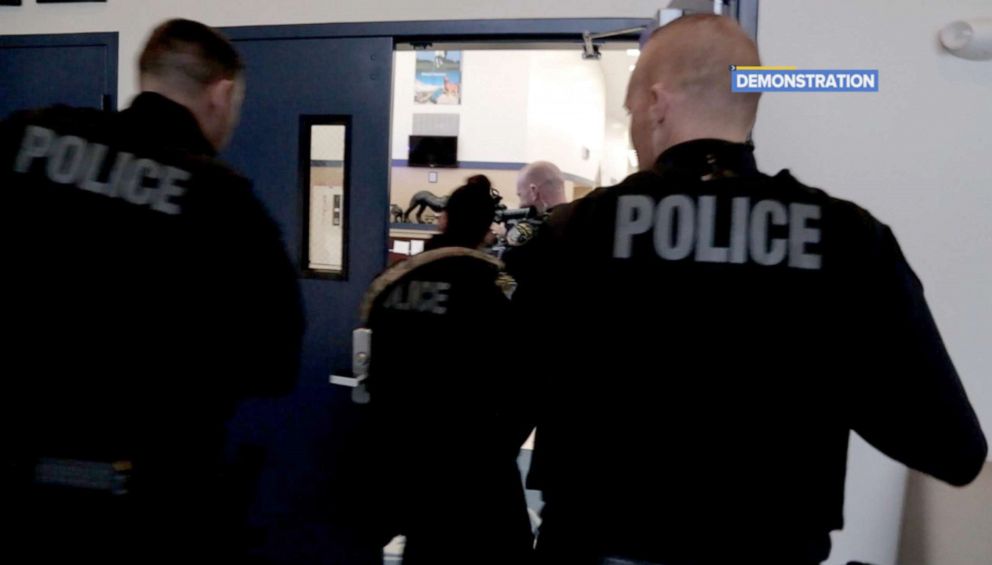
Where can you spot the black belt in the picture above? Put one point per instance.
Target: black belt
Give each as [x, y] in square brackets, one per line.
[95, 476]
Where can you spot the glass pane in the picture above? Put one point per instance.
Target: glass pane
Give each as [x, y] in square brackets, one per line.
[328, 192]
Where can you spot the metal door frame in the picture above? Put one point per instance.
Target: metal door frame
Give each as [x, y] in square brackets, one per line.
[98, 39]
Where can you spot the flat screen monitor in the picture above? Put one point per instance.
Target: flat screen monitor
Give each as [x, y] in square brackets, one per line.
[433, 151]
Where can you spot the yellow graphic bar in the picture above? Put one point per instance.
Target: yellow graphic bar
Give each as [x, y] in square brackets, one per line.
[779, 68]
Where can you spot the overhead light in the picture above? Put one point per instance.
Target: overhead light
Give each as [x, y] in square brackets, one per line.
[634, 52]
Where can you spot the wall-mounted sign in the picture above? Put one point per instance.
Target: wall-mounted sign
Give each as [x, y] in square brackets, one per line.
[439, 77]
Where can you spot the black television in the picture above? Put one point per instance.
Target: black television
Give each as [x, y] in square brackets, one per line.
[433, 151]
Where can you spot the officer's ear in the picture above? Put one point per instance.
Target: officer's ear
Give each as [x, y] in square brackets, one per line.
[659, 103]
[224, 98]
[220, 94]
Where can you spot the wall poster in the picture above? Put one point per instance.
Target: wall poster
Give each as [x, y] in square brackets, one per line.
[439, 78]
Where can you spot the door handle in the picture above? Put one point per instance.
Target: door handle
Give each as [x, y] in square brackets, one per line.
[361, 356]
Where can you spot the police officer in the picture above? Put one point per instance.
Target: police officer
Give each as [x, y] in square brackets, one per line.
[541, 189]
[148, 291]
[727, 330]
[448, 421]
[541, 186]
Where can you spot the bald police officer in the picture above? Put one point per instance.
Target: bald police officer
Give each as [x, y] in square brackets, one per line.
[541, 186]
[727, 329]
[541, 189]
[148, 292]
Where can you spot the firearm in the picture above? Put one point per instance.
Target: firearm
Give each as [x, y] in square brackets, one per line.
[512, 216]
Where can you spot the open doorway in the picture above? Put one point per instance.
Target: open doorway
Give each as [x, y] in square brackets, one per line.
[289, 143]
[464, 110]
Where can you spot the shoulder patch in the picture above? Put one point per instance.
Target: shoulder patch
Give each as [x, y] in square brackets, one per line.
[521, 234]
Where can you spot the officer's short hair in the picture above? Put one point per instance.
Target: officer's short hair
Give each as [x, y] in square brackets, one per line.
[189, 55]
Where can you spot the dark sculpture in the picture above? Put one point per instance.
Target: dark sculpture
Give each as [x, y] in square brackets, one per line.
[395, 213]
[423, 200]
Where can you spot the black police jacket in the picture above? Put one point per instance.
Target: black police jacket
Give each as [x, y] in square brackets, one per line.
[447, 416]
[522, 251]
[147, 291]
[726, 330]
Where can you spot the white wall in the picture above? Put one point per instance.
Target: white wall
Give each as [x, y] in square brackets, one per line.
[616, 150]
[495, 86]
[135, 18]
[566, 112]
[916, 155]
[617, 67]
[517, 107]
[946, 525]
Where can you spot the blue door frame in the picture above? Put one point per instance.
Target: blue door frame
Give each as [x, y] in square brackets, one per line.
[744, 11]
[77, 69]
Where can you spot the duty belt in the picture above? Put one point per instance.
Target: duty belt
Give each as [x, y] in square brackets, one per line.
[98, 476]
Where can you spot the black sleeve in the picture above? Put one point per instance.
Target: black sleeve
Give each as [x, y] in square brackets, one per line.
[513, 378]
[275, 314]
[258, 301]
[533, 333]
[542, 315]
[908, 400]
[11, 134]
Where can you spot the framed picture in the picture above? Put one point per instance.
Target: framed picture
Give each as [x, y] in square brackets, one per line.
[439, 78]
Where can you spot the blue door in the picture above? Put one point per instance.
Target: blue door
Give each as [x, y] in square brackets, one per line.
[307, 437]
[74, 69]
[298, 75]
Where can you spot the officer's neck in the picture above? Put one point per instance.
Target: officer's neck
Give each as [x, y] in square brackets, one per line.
[709, 158]
[199, 105]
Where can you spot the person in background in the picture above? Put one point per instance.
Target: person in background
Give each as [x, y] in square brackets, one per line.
[467, 219]
[448, 422]
[541, 189]
[541, 186]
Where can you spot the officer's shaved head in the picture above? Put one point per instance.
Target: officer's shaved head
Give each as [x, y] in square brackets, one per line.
[681, 87]
[542, 185]
[194, 65]
[189, 54]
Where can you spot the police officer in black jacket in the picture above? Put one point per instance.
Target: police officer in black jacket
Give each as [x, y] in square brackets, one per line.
[148, 291]
[728, 330]
[449, 421]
